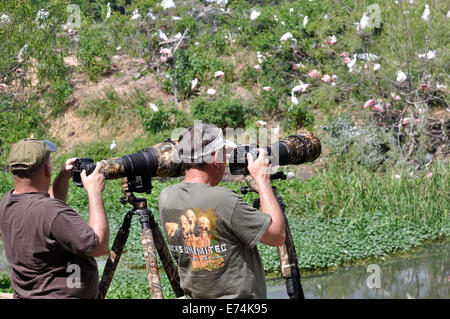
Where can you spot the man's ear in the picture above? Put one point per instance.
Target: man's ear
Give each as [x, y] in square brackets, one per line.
[47, 169]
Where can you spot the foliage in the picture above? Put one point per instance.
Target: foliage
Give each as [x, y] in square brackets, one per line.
[167, 117]
[5, 283]
[222, 111]
[95, 50]
[28, 114]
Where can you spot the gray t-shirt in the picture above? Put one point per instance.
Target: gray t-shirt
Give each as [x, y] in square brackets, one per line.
[213, 234]
[48, 246]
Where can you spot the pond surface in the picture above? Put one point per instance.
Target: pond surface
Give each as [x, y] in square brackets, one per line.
[425, 273]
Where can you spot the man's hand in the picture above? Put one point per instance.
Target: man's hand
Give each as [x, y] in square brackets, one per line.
[259, 169]
[95, 182]
[66, 170]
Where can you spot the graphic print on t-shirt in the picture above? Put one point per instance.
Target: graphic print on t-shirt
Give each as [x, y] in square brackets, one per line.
[192, 235]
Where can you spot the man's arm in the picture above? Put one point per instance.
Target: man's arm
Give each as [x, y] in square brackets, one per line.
[94, 184]
[61, 183]
[260, 171]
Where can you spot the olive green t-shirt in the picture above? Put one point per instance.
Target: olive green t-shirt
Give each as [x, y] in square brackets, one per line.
[213, 233]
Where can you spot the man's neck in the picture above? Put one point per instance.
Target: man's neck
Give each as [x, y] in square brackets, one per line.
[26, 186]
[194, 175]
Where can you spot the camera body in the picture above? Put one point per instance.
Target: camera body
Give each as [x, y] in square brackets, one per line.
[79, 165]
[238, 160]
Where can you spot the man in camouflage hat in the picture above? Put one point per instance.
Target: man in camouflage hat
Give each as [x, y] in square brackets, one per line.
[213, 231]
[49, 246]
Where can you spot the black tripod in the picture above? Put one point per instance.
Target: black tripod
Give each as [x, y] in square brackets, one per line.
[151, 237]
[286, 253]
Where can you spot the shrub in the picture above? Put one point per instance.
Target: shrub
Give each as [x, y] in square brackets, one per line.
[95, 50]
[166, 117]
[222, 111]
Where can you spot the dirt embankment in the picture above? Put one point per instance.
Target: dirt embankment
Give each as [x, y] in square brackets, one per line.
[124, 78]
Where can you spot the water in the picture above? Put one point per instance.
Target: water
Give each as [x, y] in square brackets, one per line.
[425, 273]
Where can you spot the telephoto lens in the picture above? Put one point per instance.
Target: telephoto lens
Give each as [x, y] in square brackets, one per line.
[293, 150]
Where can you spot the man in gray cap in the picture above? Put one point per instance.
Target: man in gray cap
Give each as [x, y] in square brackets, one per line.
[49, 246]
[219, 259]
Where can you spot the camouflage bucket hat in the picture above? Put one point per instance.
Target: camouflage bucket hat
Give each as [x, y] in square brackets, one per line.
[29, 153]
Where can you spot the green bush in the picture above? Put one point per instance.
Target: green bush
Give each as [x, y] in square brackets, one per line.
[95, 50]
[165, 118]
[12, 112]
[222, 111]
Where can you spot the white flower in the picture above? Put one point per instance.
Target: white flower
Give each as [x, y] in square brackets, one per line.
[426, 13]
[153, 107]
[257, 67]
[286, 36]
[167, 4]
[376, 66]
[254, 15]
[401, 76]
[267, 88]
[175, 18]
[218, 74]
[211, 91]
[113, 145]
[261, 123]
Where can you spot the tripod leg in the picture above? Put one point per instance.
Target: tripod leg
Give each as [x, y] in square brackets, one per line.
[289, 261]
[166, 259]
[151, 264]
[114, 256]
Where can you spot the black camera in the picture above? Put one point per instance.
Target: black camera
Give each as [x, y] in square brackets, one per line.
[79, 165]
[293, 150]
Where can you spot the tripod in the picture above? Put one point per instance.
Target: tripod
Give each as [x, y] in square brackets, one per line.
[286, 253]
[151, 238]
